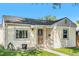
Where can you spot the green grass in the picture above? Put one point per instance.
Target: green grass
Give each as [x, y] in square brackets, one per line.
[45, 53]
[69, 51]
[33, 52]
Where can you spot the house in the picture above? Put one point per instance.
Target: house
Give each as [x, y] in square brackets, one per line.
[17, 32]
[77, 35]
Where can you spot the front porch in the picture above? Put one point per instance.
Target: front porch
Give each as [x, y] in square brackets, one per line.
[44, 36]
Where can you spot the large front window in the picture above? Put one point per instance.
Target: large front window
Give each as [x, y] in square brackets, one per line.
[21, 34]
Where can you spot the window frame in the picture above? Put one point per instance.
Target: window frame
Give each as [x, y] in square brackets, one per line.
[65, 34]
[23, 35]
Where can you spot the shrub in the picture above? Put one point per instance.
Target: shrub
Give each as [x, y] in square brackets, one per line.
[10, 46]
[1, 47]
[33, 52]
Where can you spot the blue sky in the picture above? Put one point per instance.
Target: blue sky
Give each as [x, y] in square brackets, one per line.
[39, 10]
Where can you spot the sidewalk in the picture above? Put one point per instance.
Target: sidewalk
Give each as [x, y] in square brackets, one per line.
[55, 52]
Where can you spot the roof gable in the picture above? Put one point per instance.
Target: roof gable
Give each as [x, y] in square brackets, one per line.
[65, 22]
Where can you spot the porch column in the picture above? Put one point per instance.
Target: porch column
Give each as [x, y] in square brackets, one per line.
[36, 37]
[44, 37]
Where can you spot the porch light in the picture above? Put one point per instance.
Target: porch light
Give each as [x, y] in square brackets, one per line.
[49, 34]
[32, 29]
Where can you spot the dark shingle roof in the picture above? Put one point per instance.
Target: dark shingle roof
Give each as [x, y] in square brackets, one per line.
[34, 21]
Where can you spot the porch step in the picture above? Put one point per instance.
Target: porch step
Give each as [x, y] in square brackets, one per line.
[40, 46]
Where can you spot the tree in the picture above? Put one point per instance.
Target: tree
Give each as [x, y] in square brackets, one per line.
[58, 5]
[49, 17]
[77, 21]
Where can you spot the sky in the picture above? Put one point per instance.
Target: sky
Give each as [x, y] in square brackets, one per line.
[29, 10]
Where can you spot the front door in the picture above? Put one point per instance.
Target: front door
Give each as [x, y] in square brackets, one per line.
[40, 36]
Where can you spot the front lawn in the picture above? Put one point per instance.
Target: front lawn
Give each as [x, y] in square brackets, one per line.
[33, 52]
[69, 51]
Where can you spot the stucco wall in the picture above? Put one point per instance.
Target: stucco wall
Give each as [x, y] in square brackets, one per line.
[49, 37]
[59, 41]
[11, 36]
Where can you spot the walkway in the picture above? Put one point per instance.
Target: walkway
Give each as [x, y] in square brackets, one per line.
[55, 52]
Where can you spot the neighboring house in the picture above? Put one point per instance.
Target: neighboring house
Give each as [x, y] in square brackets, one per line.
[77, 38]
[26, 33]
[77, 35]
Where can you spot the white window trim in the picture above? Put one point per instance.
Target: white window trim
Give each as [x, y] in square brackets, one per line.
[67, 33]
[21, 38]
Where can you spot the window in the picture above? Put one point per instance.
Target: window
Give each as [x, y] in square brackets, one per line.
[24, 46]
[16, 33]
[40, 32]
[21, 34]
[26, 34]
[65, 33]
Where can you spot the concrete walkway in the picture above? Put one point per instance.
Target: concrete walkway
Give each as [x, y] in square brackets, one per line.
[55, 52]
